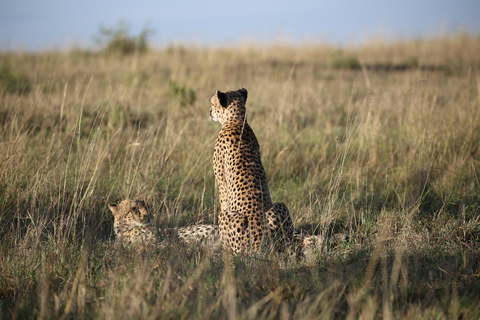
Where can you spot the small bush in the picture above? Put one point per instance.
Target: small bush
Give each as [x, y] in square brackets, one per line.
[411, 63]
[119, 40]
[346, 63]
[12, 82]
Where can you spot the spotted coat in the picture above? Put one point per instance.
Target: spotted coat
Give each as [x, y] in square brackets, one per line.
[247, 212]
[130, 228]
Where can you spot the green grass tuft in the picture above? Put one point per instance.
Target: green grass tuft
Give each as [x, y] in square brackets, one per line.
[12, 82]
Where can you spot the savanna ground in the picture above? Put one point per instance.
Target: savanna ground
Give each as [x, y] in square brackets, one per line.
[378, 143]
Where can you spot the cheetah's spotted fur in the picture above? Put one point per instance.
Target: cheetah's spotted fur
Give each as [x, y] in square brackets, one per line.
[247, 212]
[130, 227]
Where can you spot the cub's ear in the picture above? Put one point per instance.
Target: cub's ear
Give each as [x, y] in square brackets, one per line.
[113, 207]
[222, 98]
[244, 92]
[141, 204]
[142, 207]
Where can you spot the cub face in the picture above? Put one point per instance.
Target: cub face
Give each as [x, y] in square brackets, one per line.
[228, 106]
[134, 210]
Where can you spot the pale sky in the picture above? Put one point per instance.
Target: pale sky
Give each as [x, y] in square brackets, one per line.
[41, 24]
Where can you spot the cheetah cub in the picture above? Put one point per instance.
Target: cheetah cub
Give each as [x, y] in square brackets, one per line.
[248, 217]
[129, 226]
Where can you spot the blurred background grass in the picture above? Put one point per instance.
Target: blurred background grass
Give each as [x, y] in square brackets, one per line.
[377, 143]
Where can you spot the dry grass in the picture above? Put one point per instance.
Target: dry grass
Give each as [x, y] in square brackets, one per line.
[378, 143]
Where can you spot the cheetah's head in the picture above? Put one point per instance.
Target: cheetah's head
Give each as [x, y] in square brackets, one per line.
[128, 214]
[228, 106]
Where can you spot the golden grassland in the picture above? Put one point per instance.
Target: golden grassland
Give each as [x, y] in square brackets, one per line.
[378, 144]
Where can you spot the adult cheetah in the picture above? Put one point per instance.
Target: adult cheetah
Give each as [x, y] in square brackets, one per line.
[130, 227]
[247, 213]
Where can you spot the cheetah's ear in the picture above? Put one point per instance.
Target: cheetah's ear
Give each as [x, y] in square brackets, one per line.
[113, 207]
[141, 204]
[244, 92]
[142, 207]
[222, 98]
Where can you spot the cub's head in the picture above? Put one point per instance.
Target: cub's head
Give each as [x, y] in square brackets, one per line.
[228, 106]
[128, 214]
